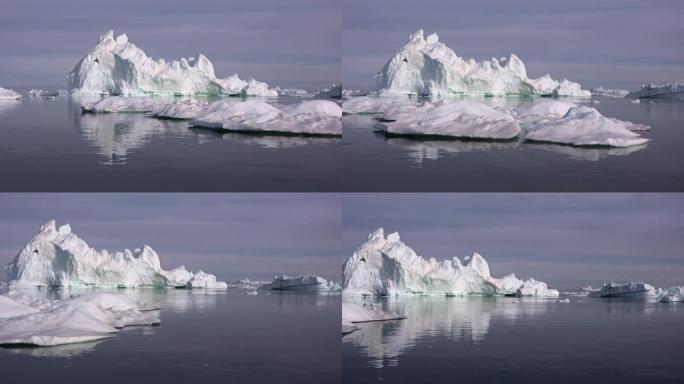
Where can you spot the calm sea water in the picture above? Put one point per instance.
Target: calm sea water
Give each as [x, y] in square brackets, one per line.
[376, 163]
[48, 145]
[204, 337]
[477, 340]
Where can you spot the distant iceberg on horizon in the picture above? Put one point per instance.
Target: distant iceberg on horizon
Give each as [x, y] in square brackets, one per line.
[384, 266]
[57, 257]
[301, 283]
[116, 66]
[424, 66]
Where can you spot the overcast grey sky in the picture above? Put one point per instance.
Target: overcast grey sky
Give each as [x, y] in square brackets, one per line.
[614, 43]
[293, 43]
[231, 235]
[567, 240]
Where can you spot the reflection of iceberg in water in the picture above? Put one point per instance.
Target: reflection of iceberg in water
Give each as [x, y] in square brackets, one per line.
[65, 350]
[7, 105]
[421, 150]
[114, 134]
[266, 141]
[466, 319]
[587, 153]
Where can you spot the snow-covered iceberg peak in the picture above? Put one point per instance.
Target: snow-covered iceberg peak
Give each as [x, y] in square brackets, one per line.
[57, 257]
[424, 66]
[116, 66]
[384, 265]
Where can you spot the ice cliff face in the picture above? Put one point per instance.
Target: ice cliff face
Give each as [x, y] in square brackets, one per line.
[386, 266]
[56, 257]
[117, 67]
[424, 66]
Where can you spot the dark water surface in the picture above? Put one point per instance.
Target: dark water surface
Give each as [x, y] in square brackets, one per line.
[47, 145]
[479, 340]
[376, 163]
[204, 337]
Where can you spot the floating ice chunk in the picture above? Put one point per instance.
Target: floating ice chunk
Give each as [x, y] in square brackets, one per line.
[182, 110]
[318, 117]
[8, 94]
[251, 293]
[11, 308]
[660, 91]
[627, 290]
[427, 67]
[293, 92]
[74, 320]
[117, 67]
[113, 104]
[610, 92]
[673, 294]
[56, 257]
[300, 283]
[584, 125]
[333, 92]
[374, 105]
[386, 266]
[357, 313]
[546, 108]
[461, 119]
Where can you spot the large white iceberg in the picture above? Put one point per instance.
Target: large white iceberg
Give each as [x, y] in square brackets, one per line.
[300, 283]
[8, 94]
[56, 257]
[73, 320]
[317, 117]
[386, 266]
[659, 91]
[424, 66]
[117, 67]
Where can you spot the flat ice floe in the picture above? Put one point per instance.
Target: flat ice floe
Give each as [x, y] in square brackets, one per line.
[117, 67]
[73, 320]
[659, 91]
[386, 266]
[553, 121]
[115, 104]
[301, 283]
[316, 117]
[424, 66]
[8, 94]
[56, 257]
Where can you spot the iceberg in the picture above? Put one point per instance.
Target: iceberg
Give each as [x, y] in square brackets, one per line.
[316, 117]
[114, 104]
[659, 91]
[117, 67]
[673, 295]
[386, 266]
[424, 66]
[57, 257]
[300, 283]
[8, 94]
[333, 92]
[74, 320]
[293, 92]
[636, 290]
[461, 119]
[609, 92]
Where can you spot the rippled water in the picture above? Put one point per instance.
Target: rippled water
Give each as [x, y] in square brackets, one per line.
[48, 145]
[205, 336]
[374, 162]
[507, 340]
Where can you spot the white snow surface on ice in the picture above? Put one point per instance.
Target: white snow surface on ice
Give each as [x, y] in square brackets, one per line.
[56, 257]
[117, 67]
[8, 94]
[660, 91]
[636, 290]
[424, 66]
[316, 117]
[301, 283]
[673, 295]
[74, 320]
[386, 266]
[117, 104]
[361, 313]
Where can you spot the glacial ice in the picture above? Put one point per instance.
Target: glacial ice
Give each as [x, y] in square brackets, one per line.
[117, 67]
[333, 92]
[316, 117]
[56, 257]
[300, 283]
[114, 104]
[8, 94]
[659, 91]
[424, 66]
[609, 92]
[461, 119]
[634, 290]
[673, 295]
[74, 320]
[386, 266]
